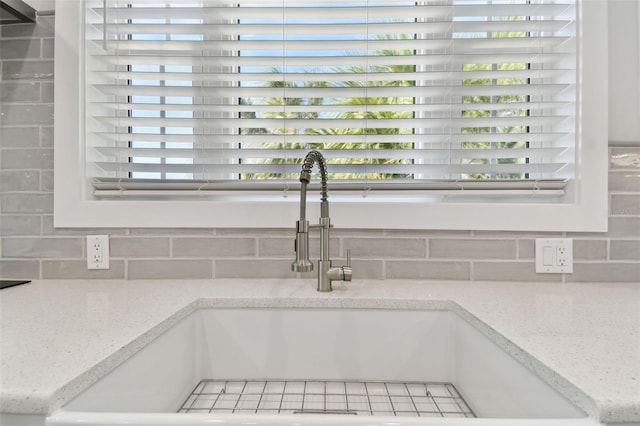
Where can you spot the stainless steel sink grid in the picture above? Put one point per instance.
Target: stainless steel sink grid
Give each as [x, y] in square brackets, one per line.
[327, 397]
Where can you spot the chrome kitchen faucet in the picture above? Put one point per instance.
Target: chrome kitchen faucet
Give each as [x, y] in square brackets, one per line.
[326, 273]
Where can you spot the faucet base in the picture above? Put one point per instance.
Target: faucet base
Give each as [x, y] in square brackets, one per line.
[327, 274]
[324, 280]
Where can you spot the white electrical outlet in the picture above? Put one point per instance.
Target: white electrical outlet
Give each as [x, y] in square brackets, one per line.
[554, 255]
[97, 252]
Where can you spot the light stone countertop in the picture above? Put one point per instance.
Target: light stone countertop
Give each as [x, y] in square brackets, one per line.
[59, 337]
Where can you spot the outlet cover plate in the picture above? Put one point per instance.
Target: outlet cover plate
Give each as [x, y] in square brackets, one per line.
[97, 252]
[554, 255]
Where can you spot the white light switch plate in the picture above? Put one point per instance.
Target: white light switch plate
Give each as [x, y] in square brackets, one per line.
[554, 255]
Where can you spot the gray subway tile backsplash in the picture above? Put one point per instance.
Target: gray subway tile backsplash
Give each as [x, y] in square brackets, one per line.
[625, 204]
[46, 180]
[624, 227]
[20, 268]
[624, 181]
[48, 48]
[20, 48]
[589, 249]
[605, 272]
[27, 115]
[26, 202]
[510, 271]
[527, 248]
[32, 248]
[43, 247]
[19, 180]
[624, 158]
[19, 92]
[27, 159]
[20, 225]
[427, 270]
[625, 250]
[279, 247]
[283, 247]
[125, 247]
[387, 247]
[213, 247]
[367, 269]
[19, 137]
[77, 269]
[170, 269]
[472, 248]
[35, 71]
[46, 136]
[256, 268]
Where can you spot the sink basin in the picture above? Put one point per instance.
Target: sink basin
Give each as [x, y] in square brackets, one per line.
[278, 345]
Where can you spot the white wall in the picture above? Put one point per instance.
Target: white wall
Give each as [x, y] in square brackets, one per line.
[624, 72]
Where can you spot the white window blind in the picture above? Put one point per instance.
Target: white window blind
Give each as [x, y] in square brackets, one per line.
[190, 96]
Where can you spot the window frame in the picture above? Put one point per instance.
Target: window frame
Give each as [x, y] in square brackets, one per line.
[74, 206]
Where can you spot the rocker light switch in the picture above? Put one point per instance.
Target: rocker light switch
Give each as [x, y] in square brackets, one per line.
[554, 255]
[548, 255]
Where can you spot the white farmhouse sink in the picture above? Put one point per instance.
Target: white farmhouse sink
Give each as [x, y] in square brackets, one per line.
[345, 345]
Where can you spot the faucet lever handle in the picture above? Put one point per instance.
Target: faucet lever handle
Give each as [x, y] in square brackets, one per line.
[347, 270]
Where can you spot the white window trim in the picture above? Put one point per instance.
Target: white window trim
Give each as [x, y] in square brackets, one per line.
[588, 213]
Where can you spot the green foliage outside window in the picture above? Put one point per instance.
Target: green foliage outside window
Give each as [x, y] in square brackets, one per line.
[499, 107]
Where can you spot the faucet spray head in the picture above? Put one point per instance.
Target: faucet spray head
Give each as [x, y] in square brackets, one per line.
[302, 262]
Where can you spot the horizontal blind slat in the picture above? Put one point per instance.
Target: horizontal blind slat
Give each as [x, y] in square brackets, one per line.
[546, 58]
[436, 137]
[431, 170]
[327, 123]
[222, 29]
[220, 156]
[211, 77]
[329, 92]
[358, 47]
[115, 109]
[345, 12]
